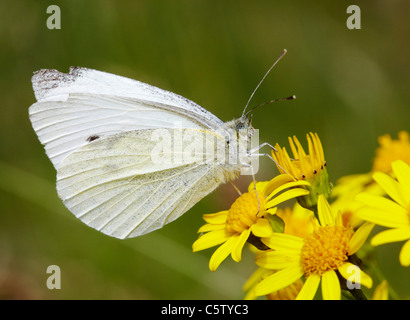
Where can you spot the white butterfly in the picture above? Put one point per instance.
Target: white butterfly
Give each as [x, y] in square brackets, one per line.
[98, 129]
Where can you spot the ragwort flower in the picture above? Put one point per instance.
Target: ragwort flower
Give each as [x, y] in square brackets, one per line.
[391, 150]
[348, 187]
[391, 213]
[297, 222]
[310, 167]
[320, 257]
[247, 219]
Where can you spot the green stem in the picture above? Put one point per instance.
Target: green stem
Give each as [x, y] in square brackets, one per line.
[257, 243]
[315, 211]
[355, 292]
[358, 294]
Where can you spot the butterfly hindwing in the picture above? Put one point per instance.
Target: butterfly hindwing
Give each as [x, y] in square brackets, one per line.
[113, 185]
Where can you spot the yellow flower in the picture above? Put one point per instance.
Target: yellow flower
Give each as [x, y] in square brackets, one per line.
[319, 257]
[247, 219]
[301, 166]
[388, 151]
[391, 213]
[345, 192]
[348, 187]
[391, 150]
[297, 222]
[310, 167]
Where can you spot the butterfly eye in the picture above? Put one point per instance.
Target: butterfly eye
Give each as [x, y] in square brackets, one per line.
[240, 126]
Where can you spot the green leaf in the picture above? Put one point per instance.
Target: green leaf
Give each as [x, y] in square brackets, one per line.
[276, 222]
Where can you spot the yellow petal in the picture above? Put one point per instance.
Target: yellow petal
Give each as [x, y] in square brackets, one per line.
[393, 213]
[391, 235]
[262, 228]
[250, 295]
[237, 249]
[260, 187]
[276, 260]
[222, 252]
[254, 278]
[277, 182]
[216, 218]
[330, 286]
[391, 187]
[279, 280]
[360, 237]
[211, 227]
[346, 184]
[289, 194]
[324, 212]
[293, 148]
[405, 254]
[288, 185]
[309, 288]
[284, 242]
[354, 275]
[384, 216]
[319, 147]
[210, 239]
[402, 172]
[339, 219]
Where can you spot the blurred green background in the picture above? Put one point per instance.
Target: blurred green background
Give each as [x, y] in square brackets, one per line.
[351, 87]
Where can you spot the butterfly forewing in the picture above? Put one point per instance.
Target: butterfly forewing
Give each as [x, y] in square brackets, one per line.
[84, 103]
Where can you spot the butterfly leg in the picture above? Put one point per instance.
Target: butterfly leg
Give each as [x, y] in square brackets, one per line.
[270, 157]
[261, 146]
[254, 188]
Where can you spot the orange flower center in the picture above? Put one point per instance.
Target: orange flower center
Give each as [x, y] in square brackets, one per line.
[244, 212]
[325, 249]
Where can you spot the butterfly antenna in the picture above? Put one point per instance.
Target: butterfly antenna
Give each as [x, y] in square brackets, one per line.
[270, 101]
[250, 98]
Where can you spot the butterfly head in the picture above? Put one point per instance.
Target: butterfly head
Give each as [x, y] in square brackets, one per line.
[243, 126]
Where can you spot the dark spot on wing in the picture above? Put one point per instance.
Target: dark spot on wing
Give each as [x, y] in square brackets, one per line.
[92, 138]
